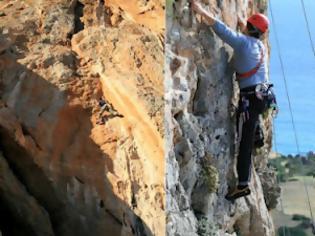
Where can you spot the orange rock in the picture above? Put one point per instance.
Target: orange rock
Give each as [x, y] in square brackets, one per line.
[102, 179]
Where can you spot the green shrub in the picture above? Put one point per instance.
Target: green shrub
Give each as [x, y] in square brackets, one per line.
[205, 228]
[311, 173]
[296, 231]
[210, 176]
[289, 166]
[298, 217]
[293, 179]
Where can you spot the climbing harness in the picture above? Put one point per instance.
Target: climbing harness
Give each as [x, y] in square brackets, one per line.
[263, 92]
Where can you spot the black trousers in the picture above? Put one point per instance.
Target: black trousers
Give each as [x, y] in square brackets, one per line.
[249, 109]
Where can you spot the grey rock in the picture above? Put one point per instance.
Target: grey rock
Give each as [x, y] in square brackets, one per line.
[201, 97]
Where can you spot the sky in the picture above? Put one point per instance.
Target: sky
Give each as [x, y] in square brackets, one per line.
[299, 69]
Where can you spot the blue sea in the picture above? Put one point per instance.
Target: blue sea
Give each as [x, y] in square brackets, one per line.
[299, 68]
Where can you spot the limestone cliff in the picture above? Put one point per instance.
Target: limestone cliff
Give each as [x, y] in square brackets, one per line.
[68, 168]
[201, 97]
[63, 172]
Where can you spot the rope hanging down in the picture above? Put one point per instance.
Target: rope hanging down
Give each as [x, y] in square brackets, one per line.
[313, 48]
[277, 177]
[308, 27]
[308, 200]
[290, 107]
[284, 78]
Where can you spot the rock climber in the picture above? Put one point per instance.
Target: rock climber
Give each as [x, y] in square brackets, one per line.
[250, 67]
[105, 107]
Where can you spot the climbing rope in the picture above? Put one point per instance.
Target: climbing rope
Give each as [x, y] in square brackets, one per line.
[307, 195]
[277, 176]
[308, 27]
[284, 79]
[278, 181]
[284, 228]
[308, 199]
[290, 106]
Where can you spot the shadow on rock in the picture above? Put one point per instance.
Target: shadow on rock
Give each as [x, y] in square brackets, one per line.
[45, 139]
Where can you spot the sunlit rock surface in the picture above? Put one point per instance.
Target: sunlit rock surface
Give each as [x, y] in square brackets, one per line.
[67, 174]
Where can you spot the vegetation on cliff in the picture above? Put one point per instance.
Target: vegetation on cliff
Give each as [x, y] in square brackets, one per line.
[289, 166]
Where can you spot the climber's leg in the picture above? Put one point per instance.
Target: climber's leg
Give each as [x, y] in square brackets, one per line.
[244, 159]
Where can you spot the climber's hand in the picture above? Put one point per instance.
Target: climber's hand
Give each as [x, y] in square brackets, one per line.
[240, 23]
[197, 7]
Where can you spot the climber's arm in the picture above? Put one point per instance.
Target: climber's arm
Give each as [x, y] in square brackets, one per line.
[228, 35]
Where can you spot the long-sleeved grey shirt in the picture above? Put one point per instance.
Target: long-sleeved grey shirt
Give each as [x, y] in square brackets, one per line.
[247, 54]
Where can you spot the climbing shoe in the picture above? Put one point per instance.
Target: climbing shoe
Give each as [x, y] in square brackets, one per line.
[239, 191]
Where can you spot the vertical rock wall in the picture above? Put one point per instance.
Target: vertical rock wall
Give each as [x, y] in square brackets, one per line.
[57, 58]
[201, 99]
[75, 176]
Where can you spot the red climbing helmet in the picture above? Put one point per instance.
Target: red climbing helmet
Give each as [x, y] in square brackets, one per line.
[259, 21]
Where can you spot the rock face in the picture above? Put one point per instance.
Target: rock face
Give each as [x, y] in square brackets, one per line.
[61, 172]
[36, 220]
[69, 167]
[201, 97]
